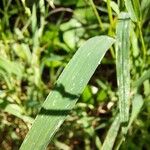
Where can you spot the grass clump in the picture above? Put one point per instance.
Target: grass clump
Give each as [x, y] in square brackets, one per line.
[39, 39]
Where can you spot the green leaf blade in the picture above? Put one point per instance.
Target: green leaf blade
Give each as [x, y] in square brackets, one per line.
[140, 81]
[137, 104]
[111, 135]
[67, 90]
[133, 8]
[122, 65]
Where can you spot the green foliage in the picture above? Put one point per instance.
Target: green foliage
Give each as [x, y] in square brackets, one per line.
[123, 65]
[112, 134]
[38, 39]
[66, 91]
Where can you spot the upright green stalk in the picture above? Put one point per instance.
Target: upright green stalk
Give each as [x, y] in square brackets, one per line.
[111, 135]
[111, 25]
[37, 33]
[134, 10]
[109, 13]
[97, 15]
[142, 41]
[123, 65]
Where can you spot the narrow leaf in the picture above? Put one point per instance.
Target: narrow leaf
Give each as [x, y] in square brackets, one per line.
[133, 7]
[111, 135]
[122, 65]
[140, 81]
[137, 104]
[17, 111]
[11, 67]
[66, 92]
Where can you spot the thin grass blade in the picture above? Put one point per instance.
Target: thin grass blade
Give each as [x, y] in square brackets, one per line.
[122, 65]
[133, 7]
[140, 81]
[66, 92]
[111, 135]
[137, 104]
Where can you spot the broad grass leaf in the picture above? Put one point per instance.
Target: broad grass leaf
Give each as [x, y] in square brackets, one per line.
[66, 92]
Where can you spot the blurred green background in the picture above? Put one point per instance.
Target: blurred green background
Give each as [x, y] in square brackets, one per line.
[37, 40]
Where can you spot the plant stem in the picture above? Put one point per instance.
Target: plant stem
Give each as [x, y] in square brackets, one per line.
[109, 13]
[110, 32]
[142, 40]
[97, 15]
